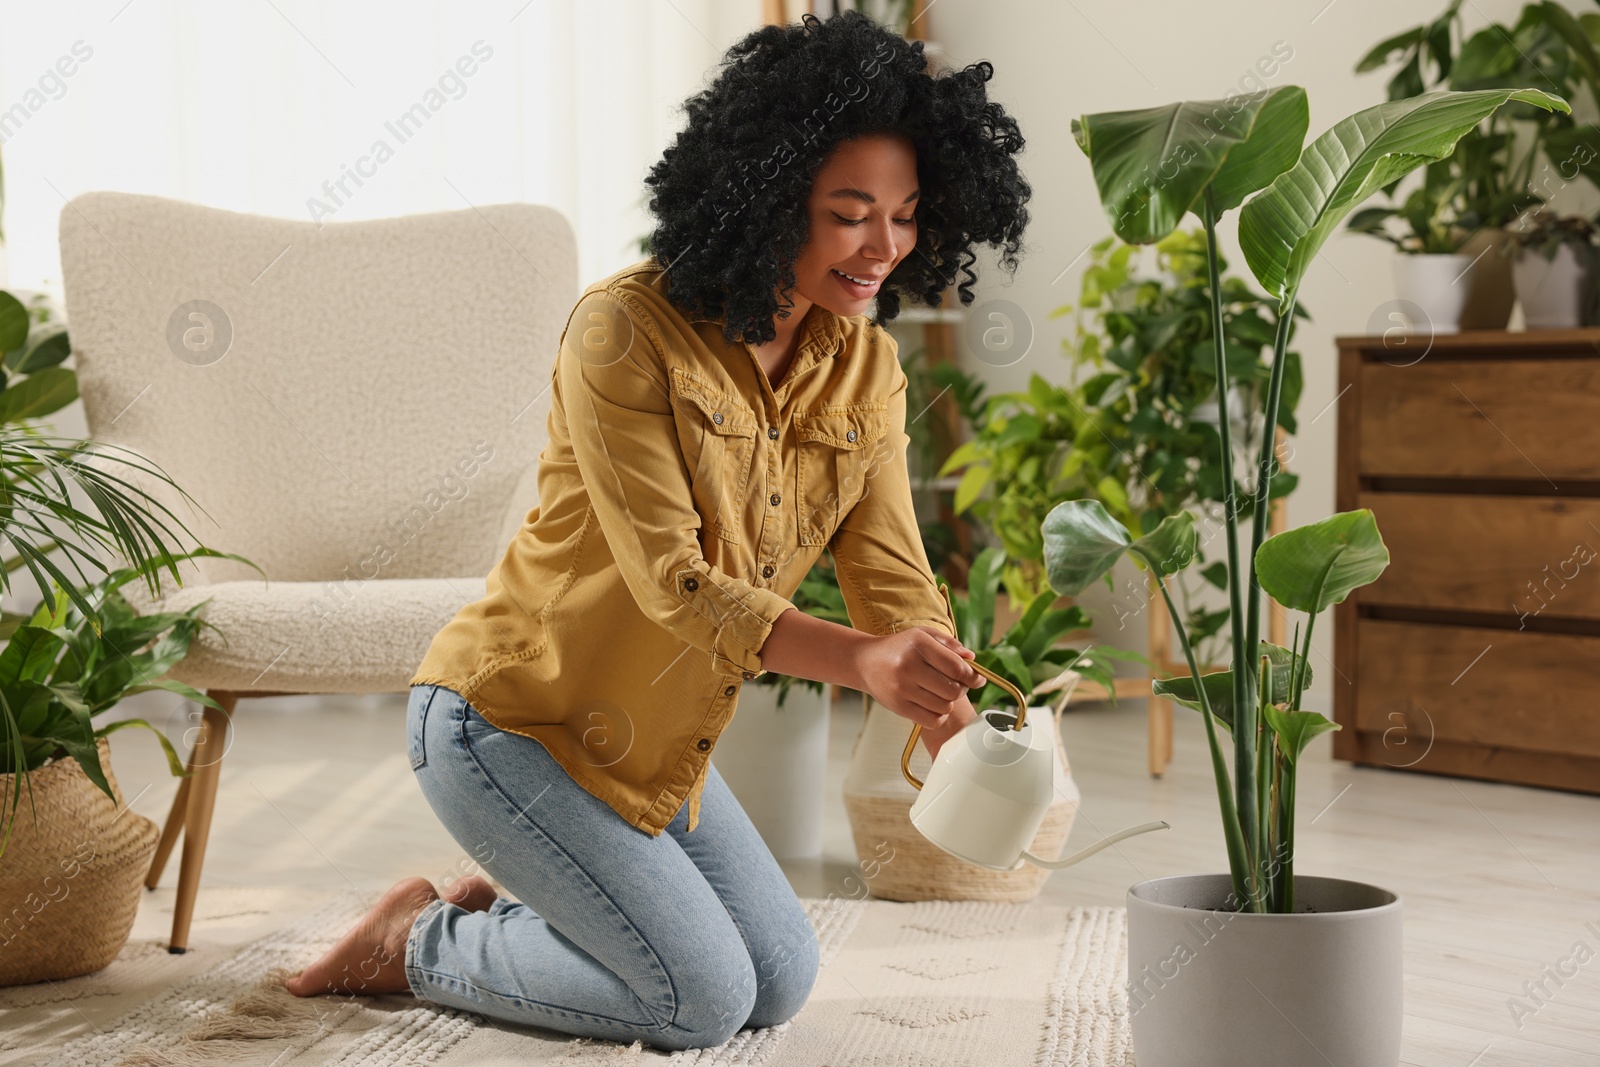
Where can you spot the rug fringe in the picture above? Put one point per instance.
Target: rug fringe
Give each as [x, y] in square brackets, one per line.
[268, 1012]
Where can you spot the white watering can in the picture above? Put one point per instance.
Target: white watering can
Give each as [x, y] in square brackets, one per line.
[990, 787]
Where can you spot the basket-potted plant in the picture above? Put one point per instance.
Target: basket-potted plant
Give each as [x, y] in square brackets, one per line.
[774, 751]
[1028, 655]
[1323, 954]
[1553, 269]
[71, 859]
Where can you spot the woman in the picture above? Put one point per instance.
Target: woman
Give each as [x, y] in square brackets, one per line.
[721, 413]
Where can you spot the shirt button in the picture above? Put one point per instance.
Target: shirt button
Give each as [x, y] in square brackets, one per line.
[850, 436]
[691, 584]
[772, 432]
[749, 674]
[716, 417]
[774, 499]
[728, 692]
[703, 744]
[766, 572]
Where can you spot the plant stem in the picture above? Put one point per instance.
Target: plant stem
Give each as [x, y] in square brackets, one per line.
[1244, 730]
[1266, 465]
[1305, 657]
[1263, 887]
[1264, 787]
[1258, 529]
[1285, 821]
[1237, 858]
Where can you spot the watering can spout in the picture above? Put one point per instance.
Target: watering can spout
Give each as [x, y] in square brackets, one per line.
[1083, 854]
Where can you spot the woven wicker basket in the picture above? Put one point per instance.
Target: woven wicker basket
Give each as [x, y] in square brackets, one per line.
[897, 862]
[69, 887]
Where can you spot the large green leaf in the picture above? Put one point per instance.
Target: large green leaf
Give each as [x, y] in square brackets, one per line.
[14, 322]
[983, 583]
[1575, 151]
[1283, 228]
[1295, 729]
[1219, 684]
[39, 394]
[1557, 18]
[1313, 567]
[1271, 148]
[1383, 51]
[174, 763]
[1082, 542]
[46, 350]
[1035, 642]
[28, 655]
[1151, 165]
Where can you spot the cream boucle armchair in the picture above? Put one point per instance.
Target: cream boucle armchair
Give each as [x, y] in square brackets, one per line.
[358, 407]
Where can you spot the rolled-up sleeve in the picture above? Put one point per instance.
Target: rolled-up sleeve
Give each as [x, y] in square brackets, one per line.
[877, 550]
[612, 384]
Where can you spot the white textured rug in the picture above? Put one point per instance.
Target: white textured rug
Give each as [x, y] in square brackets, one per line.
[930, 984]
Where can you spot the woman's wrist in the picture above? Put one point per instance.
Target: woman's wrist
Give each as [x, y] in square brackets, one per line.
[804, 646]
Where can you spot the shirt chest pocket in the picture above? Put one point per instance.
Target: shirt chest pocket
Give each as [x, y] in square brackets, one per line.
[718, 434]
[840, 447]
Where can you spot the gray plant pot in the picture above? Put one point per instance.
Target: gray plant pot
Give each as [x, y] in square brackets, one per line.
[1210, 987]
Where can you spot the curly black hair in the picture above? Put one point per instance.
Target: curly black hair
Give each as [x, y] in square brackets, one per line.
[729, 195]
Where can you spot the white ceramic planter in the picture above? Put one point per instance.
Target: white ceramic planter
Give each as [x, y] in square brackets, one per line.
[1552, 290]
[775, 760]
[1436, 284]
[1209, 987]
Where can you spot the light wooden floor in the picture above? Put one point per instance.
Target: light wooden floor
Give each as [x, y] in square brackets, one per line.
[1499, 882]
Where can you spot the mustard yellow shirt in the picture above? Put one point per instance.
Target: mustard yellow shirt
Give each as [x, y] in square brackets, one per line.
[682, 499]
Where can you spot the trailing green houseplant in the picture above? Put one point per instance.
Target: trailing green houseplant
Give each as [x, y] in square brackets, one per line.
[1012, 474]
[1229, 151]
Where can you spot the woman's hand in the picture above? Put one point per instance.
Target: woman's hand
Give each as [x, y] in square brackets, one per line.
[922, 674]
[958, 720]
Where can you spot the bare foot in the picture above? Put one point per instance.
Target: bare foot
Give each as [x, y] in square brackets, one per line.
[370, 958]
[472, 892]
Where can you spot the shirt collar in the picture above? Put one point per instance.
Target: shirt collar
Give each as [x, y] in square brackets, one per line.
[821, 331]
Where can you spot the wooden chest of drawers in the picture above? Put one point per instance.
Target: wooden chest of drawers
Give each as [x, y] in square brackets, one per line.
[1477, 652]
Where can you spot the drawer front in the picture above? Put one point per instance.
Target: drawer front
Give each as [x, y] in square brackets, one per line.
[1528, 418]
[1464, 685]
[1522, 556]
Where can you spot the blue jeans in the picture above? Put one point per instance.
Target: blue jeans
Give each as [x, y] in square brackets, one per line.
[677, 940]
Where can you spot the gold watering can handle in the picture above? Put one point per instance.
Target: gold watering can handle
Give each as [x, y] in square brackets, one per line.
[1003, 683]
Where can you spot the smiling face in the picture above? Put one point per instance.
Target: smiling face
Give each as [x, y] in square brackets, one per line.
[862, 210]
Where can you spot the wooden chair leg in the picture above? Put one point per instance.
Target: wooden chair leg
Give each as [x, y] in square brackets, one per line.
[197, 818]
[173, 826]
[1159, 743]
[1160, 746]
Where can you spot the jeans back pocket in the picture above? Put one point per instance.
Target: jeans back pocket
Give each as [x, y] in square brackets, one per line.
[417, 723]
